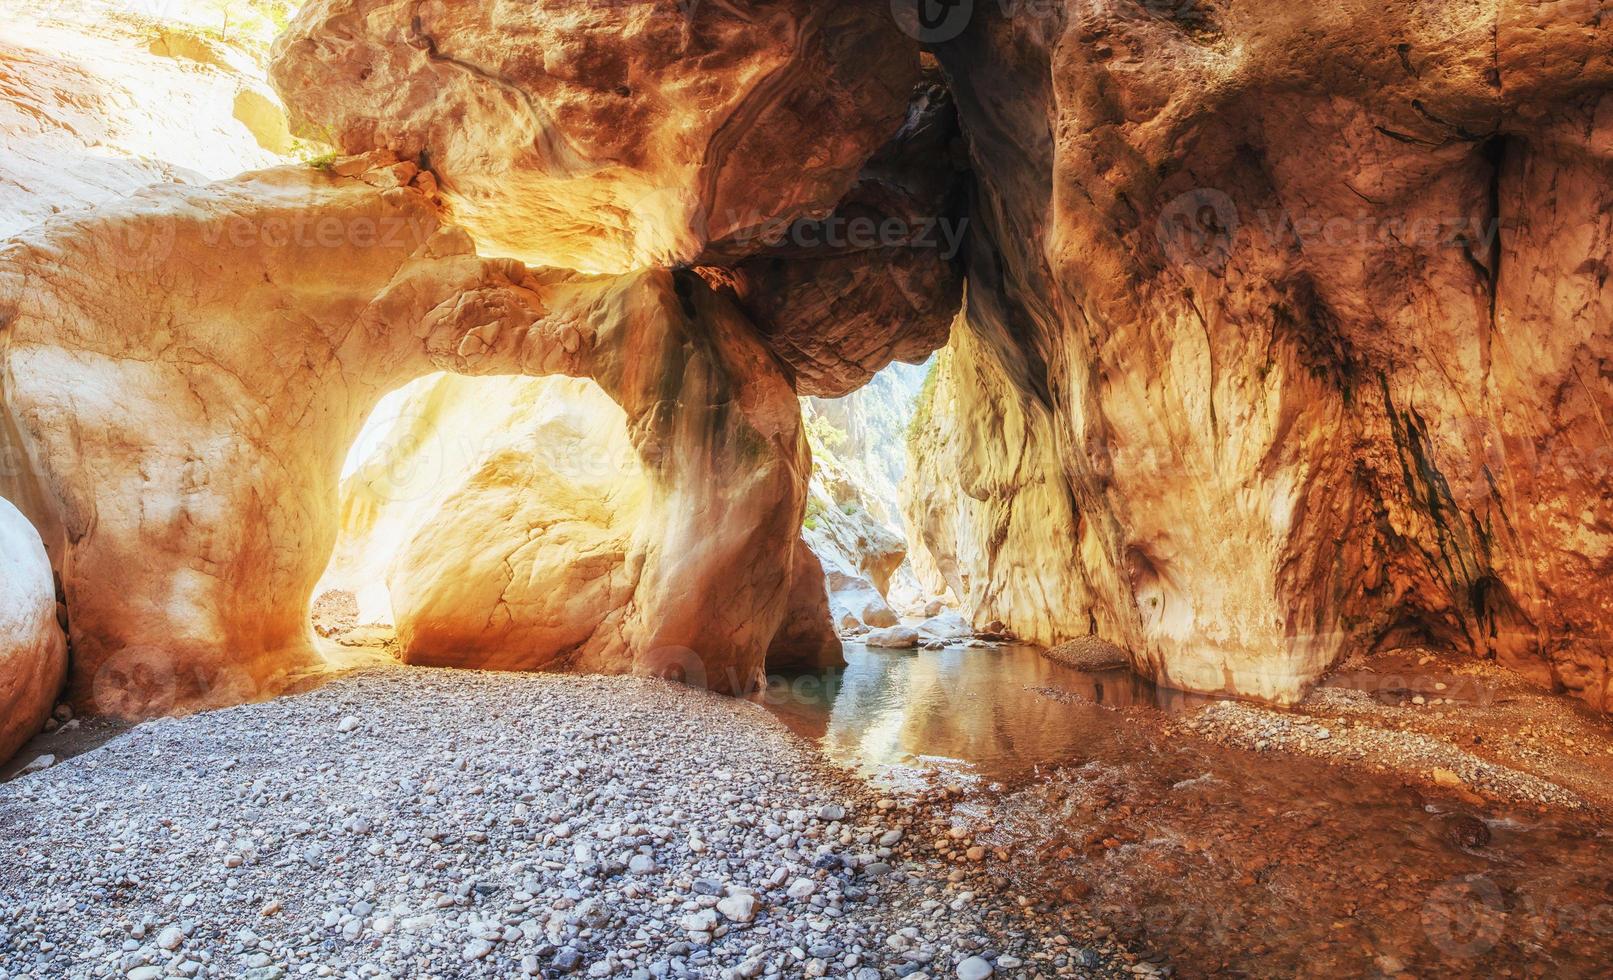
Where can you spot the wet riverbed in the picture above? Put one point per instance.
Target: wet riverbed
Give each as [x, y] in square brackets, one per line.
[992, 713]
[1217, 861]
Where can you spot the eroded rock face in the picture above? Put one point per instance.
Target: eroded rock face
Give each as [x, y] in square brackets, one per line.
[185, 405]
[855, 604]
[806, 640]
[854, 520]
[879, 279]
[988, 511]
[33, 652]
[1315, 301]
[614, 136]
[498, 517]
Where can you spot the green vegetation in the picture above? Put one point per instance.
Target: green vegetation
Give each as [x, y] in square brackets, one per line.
[249, 20]
[323, 161]
[823, 434]
[814, 510]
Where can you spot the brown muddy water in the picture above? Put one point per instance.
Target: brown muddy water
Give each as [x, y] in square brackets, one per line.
[1215, 861]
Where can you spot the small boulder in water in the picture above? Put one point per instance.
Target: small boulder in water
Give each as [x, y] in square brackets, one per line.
[893, 638]
[1089, 653]
[1465, 830]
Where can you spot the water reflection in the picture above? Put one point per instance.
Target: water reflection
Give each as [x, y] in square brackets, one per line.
[995, 711]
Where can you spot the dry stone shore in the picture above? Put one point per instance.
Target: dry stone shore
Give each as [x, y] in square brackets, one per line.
[407, 822]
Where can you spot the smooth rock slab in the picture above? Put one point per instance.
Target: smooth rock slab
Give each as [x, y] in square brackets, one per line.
[894, 638]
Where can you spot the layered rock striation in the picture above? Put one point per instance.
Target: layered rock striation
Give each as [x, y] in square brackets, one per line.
[608, 137]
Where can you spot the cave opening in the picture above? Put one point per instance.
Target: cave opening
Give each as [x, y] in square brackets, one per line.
[463, 503]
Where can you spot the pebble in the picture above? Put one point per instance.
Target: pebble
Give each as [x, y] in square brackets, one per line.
[974, 968]
[802, 888]
[738, 908]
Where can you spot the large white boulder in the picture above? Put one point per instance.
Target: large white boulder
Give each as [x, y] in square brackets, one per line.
[33, 652]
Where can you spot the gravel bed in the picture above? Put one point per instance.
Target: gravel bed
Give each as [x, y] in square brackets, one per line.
[1350, 741]
[415, 823]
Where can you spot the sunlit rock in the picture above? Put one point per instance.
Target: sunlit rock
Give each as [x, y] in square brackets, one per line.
[855, 605]
[184, 373]
[33, 652]
[987, 506]
[653, 537]
[853, 519]
[88, 116]
[608, 136]
[893, 638]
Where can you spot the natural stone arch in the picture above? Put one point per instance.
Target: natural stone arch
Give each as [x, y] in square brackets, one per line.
[186, 372]
[514, 560]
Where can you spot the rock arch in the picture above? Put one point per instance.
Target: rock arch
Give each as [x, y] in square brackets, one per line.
[186, 371]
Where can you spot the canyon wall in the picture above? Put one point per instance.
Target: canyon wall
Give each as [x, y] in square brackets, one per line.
[97, 102]
[1286, 334]
[1314, 301]
[183, 408]
[608, 137]
[988, 510]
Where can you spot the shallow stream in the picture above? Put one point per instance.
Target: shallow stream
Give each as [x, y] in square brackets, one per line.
[1215, 860]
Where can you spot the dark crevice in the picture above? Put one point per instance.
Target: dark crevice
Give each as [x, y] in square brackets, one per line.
[1494, 150]
[1405, 137]
[1461, 131]
[1404, 51]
